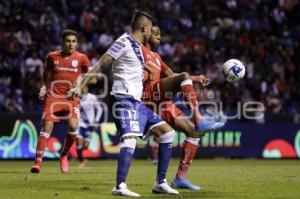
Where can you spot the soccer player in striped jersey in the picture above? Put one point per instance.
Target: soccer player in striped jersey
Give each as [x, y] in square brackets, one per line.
[132, 118]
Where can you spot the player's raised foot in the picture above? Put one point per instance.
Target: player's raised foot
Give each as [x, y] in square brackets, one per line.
[206, 125]
[164, 188]
[36, 168]
[124, 191]
[64, 164]
[184, 184]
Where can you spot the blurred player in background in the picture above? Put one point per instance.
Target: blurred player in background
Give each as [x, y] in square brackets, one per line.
[90, 114]
[157, 90]
[62, 68]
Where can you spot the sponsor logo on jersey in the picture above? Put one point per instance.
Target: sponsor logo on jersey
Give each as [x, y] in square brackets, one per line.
[116, 46]
[74, 63]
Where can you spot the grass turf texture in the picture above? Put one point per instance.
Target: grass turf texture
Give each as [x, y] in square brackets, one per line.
[218, 179]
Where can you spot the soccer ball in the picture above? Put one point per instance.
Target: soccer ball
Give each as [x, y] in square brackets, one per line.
[234, 70]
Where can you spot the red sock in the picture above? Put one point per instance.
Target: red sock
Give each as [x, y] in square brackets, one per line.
[189, 150]
[189, 91]
[41, 146]
[69, 141]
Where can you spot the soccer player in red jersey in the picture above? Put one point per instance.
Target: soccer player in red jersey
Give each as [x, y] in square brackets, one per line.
[159, 91]
[62, 68]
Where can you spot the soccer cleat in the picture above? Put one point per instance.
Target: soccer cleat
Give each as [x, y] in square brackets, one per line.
[124, 191]
[35, 168]
[184, 184]
[206, 125]
[164, 188]
[64, 164]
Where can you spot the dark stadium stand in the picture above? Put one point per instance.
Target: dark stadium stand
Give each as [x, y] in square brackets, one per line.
[198, 36]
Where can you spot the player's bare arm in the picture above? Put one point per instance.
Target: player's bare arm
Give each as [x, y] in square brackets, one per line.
[45, 80]
[202, 79]
[104, 62]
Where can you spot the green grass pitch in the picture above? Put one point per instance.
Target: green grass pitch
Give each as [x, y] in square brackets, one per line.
[218, 179]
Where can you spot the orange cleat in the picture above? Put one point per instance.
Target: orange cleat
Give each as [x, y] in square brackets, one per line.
[36, 168]
[64, 164]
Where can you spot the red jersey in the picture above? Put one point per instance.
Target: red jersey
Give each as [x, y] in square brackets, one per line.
[155, 62]
[64, 71]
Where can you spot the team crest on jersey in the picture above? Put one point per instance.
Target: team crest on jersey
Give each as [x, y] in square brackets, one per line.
[56, 62]
[74, 63]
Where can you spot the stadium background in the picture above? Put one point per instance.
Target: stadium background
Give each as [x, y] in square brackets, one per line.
[198, 36]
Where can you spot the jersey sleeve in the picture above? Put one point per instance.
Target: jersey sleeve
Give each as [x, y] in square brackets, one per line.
[117, 49]
[86, 64]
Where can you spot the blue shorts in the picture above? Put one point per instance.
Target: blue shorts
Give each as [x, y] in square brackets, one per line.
[86, 133]
[132, 117]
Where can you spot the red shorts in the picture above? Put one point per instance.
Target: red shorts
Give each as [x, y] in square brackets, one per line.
[160, 102]
[56, 110]
[169, 113]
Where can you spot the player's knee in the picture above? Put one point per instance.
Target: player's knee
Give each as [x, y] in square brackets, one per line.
[129, 143]
[184, 76]
[73, 127]
[167, 137]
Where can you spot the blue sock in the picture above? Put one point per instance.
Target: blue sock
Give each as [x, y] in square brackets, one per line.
[164, 156]
[124, 162]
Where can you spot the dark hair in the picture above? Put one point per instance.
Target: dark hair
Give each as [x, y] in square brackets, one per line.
[68, 32]
[137, 19]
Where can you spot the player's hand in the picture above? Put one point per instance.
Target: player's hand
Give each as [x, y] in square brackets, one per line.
[74, 92]
[42, 93]
[202, 79]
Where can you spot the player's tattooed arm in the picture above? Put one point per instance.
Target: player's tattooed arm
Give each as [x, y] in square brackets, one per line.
[46, 75]
[104, 62]
[168, 72]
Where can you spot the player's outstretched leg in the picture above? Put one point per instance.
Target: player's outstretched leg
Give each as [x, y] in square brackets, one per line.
[189, 150]
[41, 145]
[124, 161]
[183, 83]
[164, 155]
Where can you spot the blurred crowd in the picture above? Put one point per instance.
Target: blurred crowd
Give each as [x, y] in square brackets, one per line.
[197, 37]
